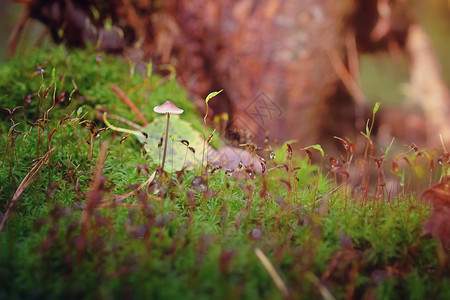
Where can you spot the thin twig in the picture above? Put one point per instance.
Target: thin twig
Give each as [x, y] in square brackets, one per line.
[352, 53]
[347, 79]
[124, 98]
[122, 119]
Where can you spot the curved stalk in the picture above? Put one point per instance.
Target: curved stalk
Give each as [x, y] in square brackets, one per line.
[135, 132]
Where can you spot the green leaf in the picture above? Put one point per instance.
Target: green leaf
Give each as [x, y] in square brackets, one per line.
[401, 175]
[132, 69]
[178, 155]
[149, 70]
[419, 171]
[367, 129]
[108, 24]
[60, 33]
[176, 151]
[94, 12]
[376, 107]
[212, 94]
[289, 142]
[79, 111]
[388, 149]
[317, 147]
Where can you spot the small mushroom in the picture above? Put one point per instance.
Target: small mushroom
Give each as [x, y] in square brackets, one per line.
[167, 108]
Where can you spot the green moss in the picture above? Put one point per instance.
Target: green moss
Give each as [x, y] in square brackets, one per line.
[198, 241]
[20, 77]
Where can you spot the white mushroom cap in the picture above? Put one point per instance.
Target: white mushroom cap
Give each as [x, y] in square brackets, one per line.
[168, 108]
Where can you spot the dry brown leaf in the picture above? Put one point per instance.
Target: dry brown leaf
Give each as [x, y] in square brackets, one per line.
[439, 194]
[438, 225]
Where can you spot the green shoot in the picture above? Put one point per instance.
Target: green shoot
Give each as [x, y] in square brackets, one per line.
[208, 98]
[316, 147]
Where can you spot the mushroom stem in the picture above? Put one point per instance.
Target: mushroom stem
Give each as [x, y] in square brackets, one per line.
[167, 108]
[165, 143]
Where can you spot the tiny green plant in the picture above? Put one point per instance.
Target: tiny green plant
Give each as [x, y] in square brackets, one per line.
[316, 147]
[368, 152]
[208, 98]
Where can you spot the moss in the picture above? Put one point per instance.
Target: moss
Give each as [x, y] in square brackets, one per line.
[22, 77]
[197, 241]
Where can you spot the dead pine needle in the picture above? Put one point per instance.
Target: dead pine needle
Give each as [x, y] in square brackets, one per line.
[279, 283]
[25, 182]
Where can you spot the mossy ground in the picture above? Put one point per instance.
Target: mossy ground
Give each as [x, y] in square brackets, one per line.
[182, 238]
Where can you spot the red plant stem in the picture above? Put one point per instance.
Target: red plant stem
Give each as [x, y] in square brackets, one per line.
[93, 197]
[165, 143]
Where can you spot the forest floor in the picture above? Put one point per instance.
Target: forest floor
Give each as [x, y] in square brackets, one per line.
[87, 212]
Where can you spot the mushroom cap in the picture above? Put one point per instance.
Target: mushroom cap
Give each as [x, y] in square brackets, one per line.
[168, 108]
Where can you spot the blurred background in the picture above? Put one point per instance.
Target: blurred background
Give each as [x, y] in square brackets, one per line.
[324, 89]
[9, 16]
[382, 77]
